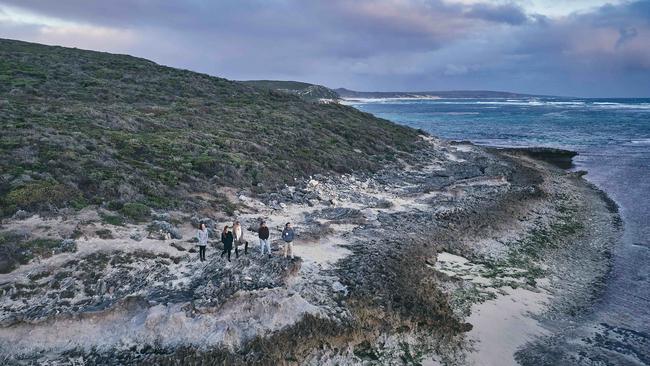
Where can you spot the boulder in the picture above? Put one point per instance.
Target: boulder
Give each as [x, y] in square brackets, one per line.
[339, 287]
[369, 214]
[384, 203]
[137, 236]
[163, 216]
[177, 246]
[67, 245]
[253, 226]
[7, 262]
[287, 192]
[166, 228]
[21, 215]
[274, 197]
[211, 225]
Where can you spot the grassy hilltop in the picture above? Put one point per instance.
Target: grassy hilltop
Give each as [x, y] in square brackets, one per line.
[82, 127]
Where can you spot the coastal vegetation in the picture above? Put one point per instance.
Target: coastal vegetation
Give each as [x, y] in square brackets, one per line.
[82, 127]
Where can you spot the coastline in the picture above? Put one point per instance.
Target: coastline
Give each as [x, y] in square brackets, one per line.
[371, 269]
[560, 158]
[574, 280]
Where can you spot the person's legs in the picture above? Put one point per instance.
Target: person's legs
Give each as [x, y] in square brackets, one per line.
[223, 252]
[201, 253]
[229, 250]
[267, 247]
[290, 245]
[262, 246]
[246, 247]
[236, 251]
[286, 247]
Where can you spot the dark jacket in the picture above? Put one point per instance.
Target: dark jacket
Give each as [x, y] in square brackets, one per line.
[227, 240]
[287, 234]
[263, 232]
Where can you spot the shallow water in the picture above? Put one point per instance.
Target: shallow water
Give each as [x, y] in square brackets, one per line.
[612, 137]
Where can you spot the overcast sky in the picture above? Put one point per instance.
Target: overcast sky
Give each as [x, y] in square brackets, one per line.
[570, 47]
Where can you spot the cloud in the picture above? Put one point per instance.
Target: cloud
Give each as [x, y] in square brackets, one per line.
[625, 35]
[454, 69]
[504, 13]
[48, 30]
[366, 44]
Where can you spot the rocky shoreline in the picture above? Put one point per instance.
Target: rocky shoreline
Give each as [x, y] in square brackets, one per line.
[393, 268]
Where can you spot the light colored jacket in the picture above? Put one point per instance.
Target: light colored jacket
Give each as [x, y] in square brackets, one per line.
[202, 235]
[237, 233]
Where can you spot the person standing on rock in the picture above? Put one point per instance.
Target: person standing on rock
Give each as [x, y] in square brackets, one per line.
[226, 239]
[287, 236]
[202, 235]
[238, 235]
[263, 234]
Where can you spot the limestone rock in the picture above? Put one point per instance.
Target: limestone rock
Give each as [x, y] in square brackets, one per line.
[137, 236]
[165, 228]
[21, 215]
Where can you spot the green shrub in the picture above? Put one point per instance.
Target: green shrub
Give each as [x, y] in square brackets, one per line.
[115, 205]
[40, 194]
[136, 211]
[206, 165]
[79, 203]
[222, 202]
[104, 234]
[38, 248]
[116, 220]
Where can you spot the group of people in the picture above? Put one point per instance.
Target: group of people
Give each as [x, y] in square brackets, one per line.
[235, 238]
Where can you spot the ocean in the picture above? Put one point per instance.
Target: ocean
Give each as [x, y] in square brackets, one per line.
[612, 138]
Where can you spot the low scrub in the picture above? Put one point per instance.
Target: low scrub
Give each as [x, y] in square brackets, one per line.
[136, 211]
[16, 249]
[40, 195]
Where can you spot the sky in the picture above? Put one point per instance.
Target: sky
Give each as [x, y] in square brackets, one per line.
[588, 48]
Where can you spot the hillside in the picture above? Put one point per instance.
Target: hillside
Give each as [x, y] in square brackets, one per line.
[84, 127]
[306, 91]
[346, 93]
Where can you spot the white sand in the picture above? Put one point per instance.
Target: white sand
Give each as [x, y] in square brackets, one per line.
[464, 148]
[503, 325]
